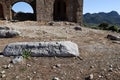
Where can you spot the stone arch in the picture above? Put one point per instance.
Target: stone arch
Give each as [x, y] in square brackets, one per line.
[60, 10]
[24, 16]
[1, 12]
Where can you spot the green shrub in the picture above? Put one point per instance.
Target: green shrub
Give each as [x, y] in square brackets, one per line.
[103, 26]
[26, 53]
[113, 28]
[94, 27]
[119, 30]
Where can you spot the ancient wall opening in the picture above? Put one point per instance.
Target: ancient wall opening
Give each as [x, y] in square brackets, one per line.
[59, 13]
[1, 12]
[23, 11]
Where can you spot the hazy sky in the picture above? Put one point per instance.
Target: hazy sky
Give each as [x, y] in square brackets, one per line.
[95, 6]
[91, 6]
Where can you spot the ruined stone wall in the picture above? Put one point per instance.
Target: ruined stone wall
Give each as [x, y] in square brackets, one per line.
[7, 5]
[44, 9]
[1, 12]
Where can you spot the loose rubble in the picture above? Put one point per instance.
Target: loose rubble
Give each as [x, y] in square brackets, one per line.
[98, 58]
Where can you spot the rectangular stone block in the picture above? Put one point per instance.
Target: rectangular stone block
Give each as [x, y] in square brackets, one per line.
[37, 49]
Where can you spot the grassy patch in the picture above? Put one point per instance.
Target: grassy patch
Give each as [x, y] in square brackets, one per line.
[26, 54]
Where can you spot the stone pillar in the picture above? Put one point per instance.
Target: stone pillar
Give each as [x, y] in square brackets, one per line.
[40, 10]
[49, 10]
[69, 10]
[10, 9]
[80, 12]
[6, 10]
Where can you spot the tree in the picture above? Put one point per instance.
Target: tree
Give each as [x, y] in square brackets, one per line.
[103, 26]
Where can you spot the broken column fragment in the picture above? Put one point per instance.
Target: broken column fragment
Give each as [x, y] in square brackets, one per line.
[37, 49]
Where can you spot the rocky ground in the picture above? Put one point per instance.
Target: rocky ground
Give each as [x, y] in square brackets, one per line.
[99, 57]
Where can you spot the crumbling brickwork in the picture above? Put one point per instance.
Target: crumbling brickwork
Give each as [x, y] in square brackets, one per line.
[47, 10]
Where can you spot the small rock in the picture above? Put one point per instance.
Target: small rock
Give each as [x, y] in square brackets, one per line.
[104, 69]
[1, 56]
[113, 37]
[110, 66]
[53, 67]
[81, 71]
[17, 59]
[34, 72]
[67, 23]
[17, 77]
[78, 28]
[55, 78]
[3, 76]
[91, 76]
[5, 66]
[29, 77]
[28, 65]
[77, 77]
[100, 76]
[2, 72]
[92, 67]
[58, 65]
[9, 65]
[117, 42]
[110, 70]
[51, 23]
[108, 74]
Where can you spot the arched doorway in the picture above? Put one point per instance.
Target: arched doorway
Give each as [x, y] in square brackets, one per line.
[59, 13]
[23, 11]
[1, 12]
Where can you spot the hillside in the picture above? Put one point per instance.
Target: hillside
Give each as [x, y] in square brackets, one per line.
[99, 57]
[112, 18]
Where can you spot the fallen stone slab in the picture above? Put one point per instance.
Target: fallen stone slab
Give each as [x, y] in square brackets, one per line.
[113, 37]
[4, 28]
[9, 33]
[39, 49]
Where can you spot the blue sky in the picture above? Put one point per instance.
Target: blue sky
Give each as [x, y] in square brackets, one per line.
[95, 6]
[22, 6]
[91, 6]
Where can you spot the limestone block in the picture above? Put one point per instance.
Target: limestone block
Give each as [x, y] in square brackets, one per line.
[9, 33]
[113, 37]
[37, 49]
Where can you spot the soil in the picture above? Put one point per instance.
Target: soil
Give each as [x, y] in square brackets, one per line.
[99, 56]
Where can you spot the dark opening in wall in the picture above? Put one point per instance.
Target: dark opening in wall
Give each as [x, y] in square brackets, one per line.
[23, 11]
[59, 13]
[1, 12]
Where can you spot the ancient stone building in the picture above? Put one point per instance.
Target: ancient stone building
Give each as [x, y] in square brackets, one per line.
[47, 10]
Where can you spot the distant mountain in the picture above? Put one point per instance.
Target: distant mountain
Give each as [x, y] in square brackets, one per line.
[112, 18]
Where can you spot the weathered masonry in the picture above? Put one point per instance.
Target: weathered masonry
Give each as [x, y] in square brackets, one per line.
[47, 10]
